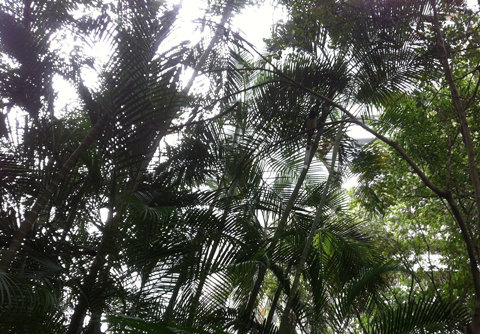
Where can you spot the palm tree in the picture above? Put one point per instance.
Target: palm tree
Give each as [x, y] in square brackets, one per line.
[115, 110]
[130, 114]
[208, 240]
[391, 48]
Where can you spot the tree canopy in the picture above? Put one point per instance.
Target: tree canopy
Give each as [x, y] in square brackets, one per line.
[175, 191]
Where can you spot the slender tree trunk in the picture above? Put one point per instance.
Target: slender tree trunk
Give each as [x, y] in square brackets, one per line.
[285, 322]
[100, 270]
[474, 326]
[467, 139]
[202, 279]
[276, 298]
[248, 313]
[459, 108]
[182, 278]
[91, 280]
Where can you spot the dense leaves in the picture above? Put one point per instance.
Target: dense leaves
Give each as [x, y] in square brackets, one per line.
[158, 202]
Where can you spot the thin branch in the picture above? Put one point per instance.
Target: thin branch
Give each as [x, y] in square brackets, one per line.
[386, 140]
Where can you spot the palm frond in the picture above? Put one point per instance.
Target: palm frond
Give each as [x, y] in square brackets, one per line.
[428, 315]
[27, 307]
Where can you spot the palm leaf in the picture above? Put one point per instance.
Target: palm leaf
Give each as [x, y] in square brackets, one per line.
[423, 314]
[27, 307]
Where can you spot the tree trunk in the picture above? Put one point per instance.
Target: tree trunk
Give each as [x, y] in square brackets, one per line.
[248, 313]
[91, 282]
[276, 298]
[203, 278]
[467, 139]
[285, 322]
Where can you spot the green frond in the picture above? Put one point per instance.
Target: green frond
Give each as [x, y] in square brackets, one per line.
[134, 325]
[425, 315]
[27, 307]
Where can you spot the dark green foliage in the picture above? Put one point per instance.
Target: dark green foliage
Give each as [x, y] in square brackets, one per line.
[199, 239]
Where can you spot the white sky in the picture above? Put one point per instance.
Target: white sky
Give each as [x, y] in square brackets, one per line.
[253, 21]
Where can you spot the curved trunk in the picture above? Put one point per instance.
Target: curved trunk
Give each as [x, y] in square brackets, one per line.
[467, 139]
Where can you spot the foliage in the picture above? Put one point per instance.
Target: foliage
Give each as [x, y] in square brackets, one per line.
[231, 226]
